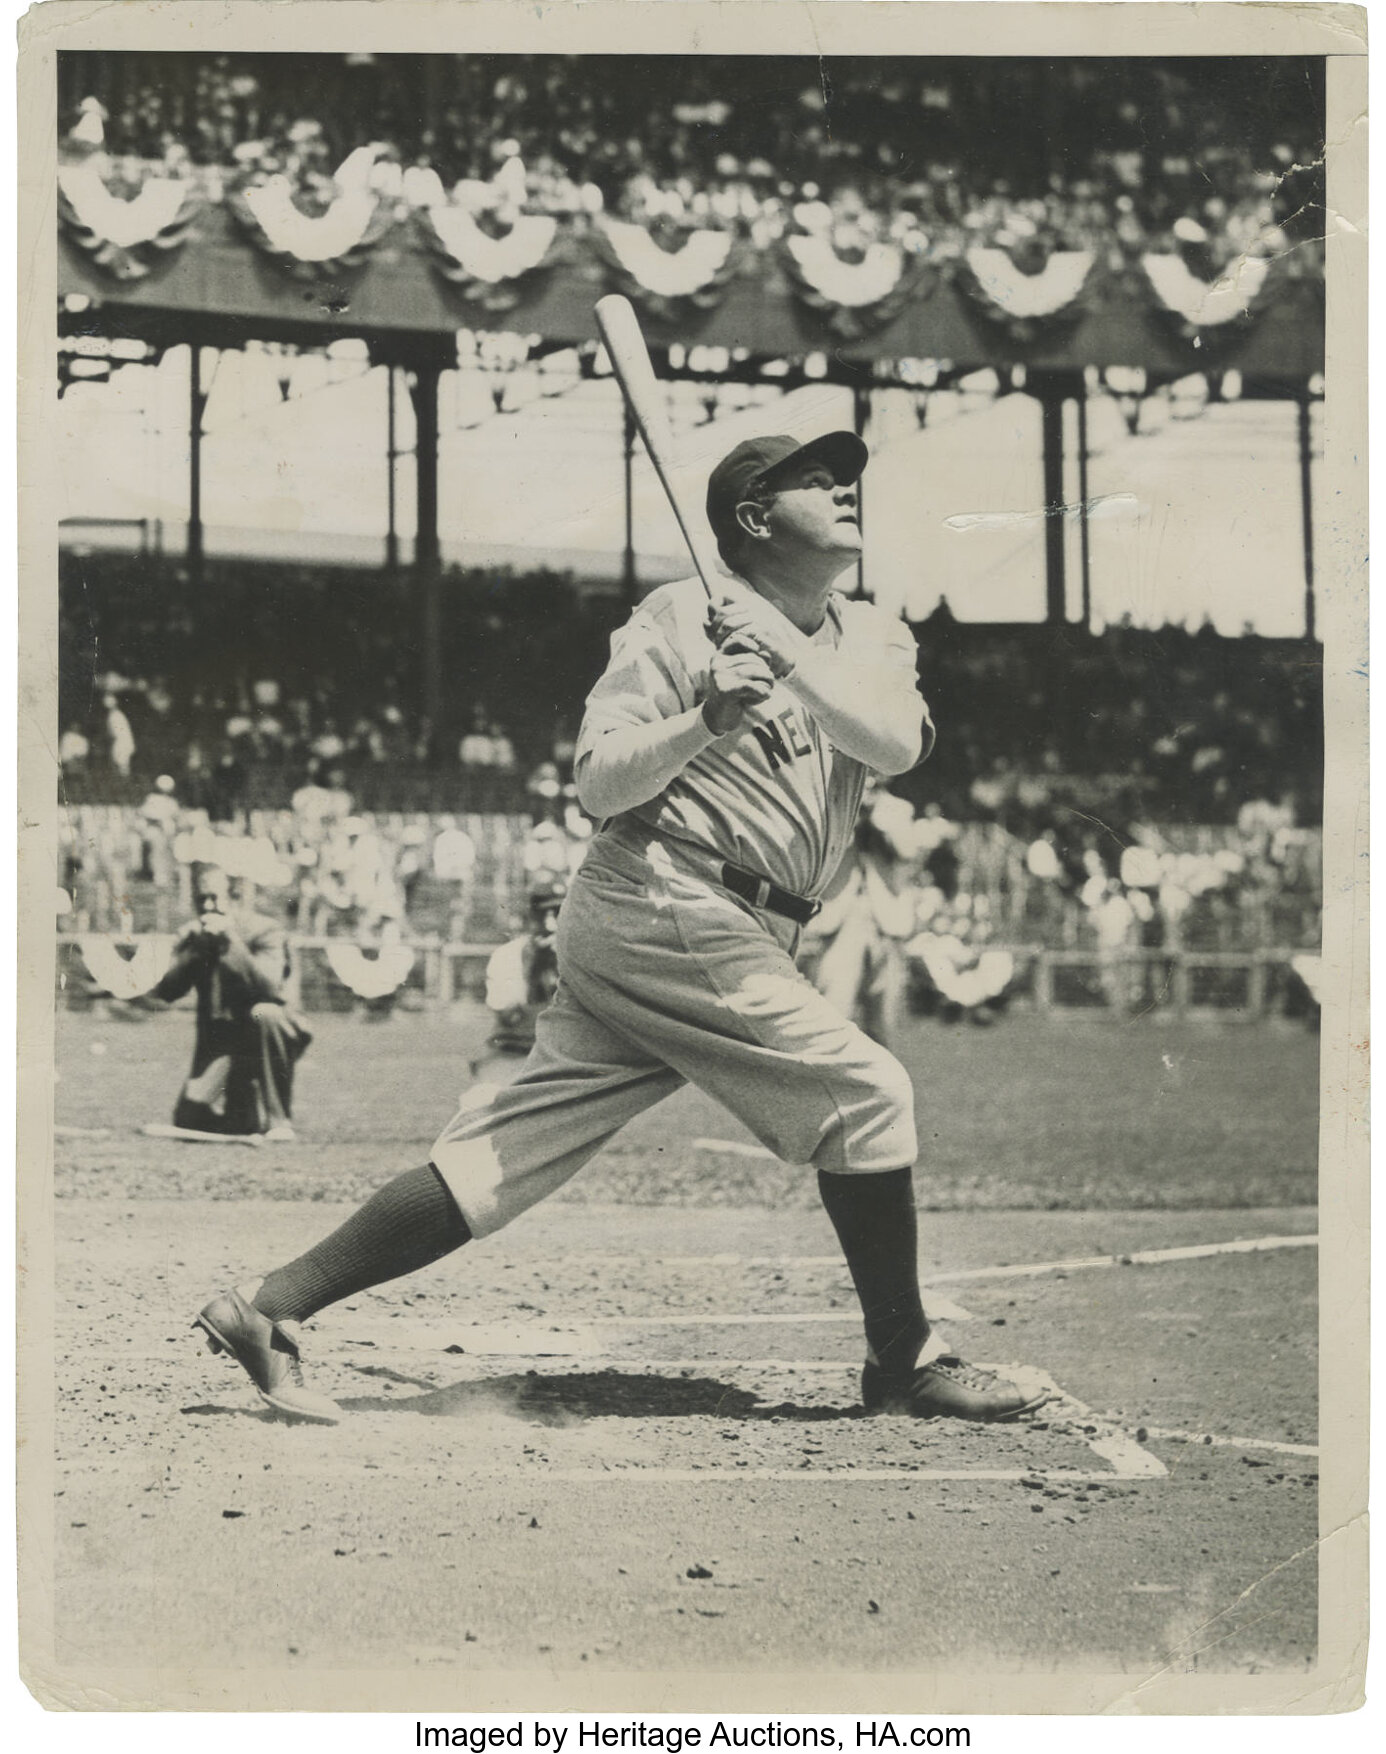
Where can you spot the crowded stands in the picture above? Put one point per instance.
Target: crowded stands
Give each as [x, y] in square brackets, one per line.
[1205, 158]
[279, 666]
[1133, 789]
[1146, 787]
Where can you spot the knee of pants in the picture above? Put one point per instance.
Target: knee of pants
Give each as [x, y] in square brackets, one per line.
[895, 1098]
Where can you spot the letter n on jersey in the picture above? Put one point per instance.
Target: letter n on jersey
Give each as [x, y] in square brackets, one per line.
[782, 746]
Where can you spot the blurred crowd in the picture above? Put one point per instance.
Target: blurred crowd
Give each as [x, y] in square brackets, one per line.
[1215, 160]
[277, 670]
[1161, 724]
[238, 690]
[321, 866]
[327, 868]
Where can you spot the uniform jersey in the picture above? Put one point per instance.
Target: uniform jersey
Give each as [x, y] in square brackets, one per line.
[775, 798]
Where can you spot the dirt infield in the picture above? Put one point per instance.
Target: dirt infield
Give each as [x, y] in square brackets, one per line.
[621, 1439]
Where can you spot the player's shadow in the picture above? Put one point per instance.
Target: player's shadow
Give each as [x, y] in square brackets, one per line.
[602, 1394]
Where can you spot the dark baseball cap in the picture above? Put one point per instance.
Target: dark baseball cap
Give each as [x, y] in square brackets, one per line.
[756, 462]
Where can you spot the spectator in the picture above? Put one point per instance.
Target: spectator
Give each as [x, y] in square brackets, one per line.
[454, 864]
[120, 739]
[73, 750]
[477, 748]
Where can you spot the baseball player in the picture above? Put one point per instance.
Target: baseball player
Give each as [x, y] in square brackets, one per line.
[724, 752]
[522, 975]
[521, 979]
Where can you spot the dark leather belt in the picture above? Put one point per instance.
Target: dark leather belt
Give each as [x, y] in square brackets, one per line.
[761, 892]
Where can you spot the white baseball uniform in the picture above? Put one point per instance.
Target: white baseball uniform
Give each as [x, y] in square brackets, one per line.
[665, 976]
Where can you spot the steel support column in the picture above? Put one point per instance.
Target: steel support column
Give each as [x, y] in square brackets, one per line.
[1051, 400]
[197, 404]
[1085, 561]
[423, 388]
[391, 457]
[861, 419]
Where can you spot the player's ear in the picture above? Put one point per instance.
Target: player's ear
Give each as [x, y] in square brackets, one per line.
[754, 519]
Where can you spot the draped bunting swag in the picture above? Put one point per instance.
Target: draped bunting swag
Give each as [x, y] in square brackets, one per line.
[496, 268]
[1203, 304]
[310, 246]
[121, 976]
[125, 237]
[493, 271]
[369, 977]
[1025, 305]
[667, 284]
[853, 297]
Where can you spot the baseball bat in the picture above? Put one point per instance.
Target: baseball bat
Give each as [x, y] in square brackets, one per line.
[630, 361]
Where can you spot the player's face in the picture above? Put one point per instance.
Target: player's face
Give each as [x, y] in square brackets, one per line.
[812, 510]
[213, 895]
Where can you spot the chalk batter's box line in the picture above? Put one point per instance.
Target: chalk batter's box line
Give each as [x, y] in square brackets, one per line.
[833, 1476]
[956, 1276]
[622, 1363]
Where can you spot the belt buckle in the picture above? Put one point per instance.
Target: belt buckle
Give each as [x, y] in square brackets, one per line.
[814, 909]
[763, 888]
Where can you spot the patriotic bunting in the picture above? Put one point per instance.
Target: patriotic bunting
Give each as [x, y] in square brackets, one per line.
[1026, 306]
[1203, 304]
[308, 245]
[126, 977]
[369, 977]
[853, 297]
[666, 283]
[125, 237]
[1022, 295]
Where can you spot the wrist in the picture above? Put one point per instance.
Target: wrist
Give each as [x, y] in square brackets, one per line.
[710, 721]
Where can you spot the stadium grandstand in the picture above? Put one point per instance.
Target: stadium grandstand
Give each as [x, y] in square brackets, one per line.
[377, 736]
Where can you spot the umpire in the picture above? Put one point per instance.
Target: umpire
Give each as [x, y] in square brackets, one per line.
[725, 753]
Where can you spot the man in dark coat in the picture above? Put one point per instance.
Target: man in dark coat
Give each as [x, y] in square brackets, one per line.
[248, 1040]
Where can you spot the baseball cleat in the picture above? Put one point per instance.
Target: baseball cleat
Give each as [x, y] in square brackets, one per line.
[939, 1391]
[268, 1356]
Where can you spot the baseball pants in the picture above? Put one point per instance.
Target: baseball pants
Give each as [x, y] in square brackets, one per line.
[665, 978]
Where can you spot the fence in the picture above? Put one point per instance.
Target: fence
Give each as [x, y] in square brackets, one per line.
[1196, 986]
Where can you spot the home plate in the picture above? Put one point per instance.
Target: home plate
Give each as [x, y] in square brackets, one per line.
[191, 1136]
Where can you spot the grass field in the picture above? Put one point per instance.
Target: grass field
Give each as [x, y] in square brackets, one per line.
[1081, 1116]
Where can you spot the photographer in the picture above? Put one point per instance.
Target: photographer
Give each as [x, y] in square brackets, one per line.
[248, 1041]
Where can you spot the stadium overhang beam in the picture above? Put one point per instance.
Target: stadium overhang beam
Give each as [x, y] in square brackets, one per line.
[219, 291]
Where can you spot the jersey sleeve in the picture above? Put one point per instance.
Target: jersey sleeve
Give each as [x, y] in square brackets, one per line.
[886, 657]
[645, 680]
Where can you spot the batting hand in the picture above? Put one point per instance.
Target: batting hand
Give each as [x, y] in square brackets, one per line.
[737, 681]
[748, 623]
